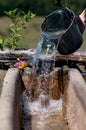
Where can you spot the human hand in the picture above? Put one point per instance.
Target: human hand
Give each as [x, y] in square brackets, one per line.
[83, 17]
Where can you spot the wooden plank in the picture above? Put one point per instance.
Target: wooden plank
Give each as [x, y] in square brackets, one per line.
[78, 56]
[11, 56]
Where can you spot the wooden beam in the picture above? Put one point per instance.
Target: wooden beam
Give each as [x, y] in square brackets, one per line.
[11, 56]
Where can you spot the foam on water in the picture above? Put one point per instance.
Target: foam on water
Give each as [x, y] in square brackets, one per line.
[33, 108]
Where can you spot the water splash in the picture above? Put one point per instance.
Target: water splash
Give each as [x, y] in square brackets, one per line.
[44, 47]
[43, 61]
[37, 117]
[44, 99]
[35, 107]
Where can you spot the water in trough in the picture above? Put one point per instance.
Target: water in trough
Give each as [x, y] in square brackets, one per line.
[40, 117]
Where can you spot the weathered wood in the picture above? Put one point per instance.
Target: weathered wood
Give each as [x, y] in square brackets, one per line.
[10, 56]
[78, 56]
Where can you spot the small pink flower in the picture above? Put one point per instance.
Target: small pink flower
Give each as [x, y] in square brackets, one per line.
[20, 64]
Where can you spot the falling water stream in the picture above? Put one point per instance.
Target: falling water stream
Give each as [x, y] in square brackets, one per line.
[40, 111]
[43, 113]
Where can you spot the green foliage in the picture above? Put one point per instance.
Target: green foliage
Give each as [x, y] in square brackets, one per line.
[19, 19]
[2, 41]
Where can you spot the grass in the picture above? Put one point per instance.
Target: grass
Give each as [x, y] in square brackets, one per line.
[31, 33]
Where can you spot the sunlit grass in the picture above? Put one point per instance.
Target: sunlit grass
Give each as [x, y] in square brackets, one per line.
[31, 33]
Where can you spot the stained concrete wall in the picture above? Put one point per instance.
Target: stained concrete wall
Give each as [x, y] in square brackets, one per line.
[10, 101]
[74, 105]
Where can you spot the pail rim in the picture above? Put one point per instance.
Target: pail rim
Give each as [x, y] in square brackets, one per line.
[72, 21]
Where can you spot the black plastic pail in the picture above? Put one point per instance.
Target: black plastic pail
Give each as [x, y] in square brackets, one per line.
[63, 29]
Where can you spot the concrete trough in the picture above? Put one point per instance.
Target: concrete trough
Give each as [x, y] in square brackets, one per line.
[74, 104]
[74, 101]
[10, 101]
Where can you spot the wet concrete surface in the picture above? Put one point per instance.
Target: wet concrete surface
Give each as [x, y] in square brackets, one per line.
[52, 122]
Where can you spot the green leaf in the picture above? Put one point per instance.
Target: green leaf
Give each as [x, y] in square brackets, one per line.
[13, 30]
[28, 16]
[1, 41]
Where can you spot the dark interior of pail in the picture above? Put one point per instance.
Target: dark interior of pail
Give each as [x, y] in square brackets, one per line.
[58, 20]
[63, 31]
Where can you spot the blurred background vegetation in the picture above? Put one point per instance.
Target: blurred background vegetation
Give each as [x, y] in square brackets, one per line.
[42, 8]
